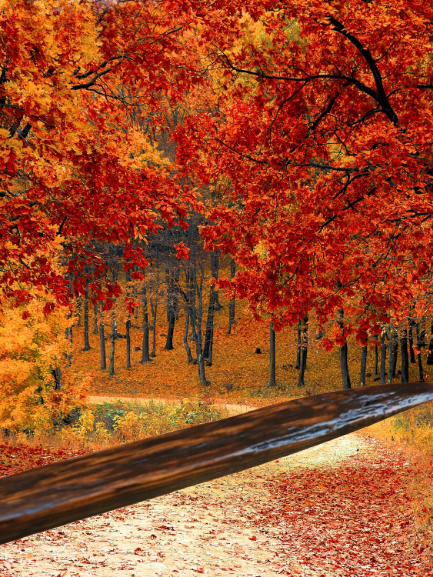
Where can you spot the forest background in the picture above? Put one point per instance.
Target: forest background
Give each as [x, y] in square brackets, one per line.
[212, 200]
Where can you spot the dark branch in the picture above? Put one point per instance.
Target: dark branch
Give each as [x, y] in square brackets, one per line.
[92, 81]
[380, 95]
[325, 112]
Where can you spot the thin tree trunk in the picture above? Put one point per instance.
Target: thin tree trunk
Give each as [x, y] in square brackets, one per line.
[95, 319]
[404, 357]
[343, 357]
[113, 344]
[199, 350]
[193, 336]
[382, 359]
[79, 305]
[393, 353]
[345, 367]
[210, 348]
[57, 379]
[215, 264]
[114, 336]
[172, 306]
[420, 343]
[86, 317]
[304, 352]
[68, 331]
[430, 349]
[411, 351]
[376, 359]
[392, 361]
[272, 379]
[145, 357]
[232, 303]
[102, 344]
[170, 332]
[209, 323]
[363, 366]
[185, 339]
[154, 310]
[128, 344]
[299, 346]
[196, 320]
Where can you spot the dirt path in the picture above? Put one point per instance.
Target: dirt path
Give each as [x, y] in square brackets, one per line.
[232, 408]
[282, 518]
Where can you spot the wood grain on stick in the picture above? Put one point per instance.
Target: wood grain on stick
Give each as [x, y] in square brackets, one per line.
[57, 494]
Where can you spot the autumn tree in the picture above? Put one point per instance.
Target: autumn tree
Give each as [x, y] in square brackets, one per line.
[74, 164]
[322, 134]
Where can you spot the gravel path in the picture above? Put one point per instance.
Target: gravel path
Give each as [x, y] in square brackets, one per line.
[256, 523]
[232, 408]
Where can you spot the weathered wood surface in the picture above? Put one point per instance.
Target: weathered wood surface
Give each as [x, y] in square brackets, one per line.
[57, 494]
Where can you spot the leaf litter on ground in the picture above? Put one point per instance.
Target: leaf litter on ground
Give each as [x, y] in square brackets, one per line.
[339, 509]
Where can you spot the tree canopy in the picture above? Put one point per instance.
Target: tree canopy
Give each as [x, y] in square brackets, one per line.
[310, 121]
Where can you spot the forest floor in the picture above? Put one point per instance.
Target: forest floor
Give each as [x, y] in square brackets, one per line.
[339, 509]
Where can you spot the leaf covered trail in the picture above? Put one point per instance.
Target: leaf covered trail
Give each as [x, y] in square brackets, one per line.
[339, 509]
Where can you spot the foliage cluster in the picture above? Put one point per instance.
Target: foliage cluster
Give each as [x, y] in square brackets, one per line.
[32, 350]
[108, 424]
[413, 430]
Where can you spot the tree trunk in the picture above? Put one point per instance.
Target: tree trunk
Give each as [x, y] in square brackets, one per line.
[210, 348]
[376, 358]
[363, 366]
[196, 315]
[304, 351]
[154, 310]
[345, 367]
[171, 312]
[79, 304]
[404, 358]
[68, 331]
[299, 347]
[420, 343]
[113, 344]
[272, 380]
[87, 346]
[215, 265]
[185, 339]
[128, 344]
[411, 351]
[393, 353]
[390, 354]
[102, 343]
[232, 304]
[430, 352]
[343, 356]
[170, 332]
[209, 325]
[95, 319]
[199, 351]
[382, 359]
[145, 357]
[57, 379]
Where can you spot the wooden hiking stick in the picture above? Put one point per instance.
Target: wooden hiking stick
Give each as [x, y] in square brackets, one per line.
[57, 494]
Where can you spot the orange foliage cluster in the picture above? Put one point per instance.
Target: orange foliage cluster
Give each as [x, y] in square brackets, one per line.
[32, 346]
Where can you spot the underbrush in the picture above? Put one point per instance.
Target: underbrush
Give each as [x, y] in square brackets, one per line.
[100, 426]
[413, 431]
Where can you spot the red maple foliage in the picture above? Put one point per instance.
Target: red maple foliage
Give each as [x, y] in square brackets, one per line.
[320, 138]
